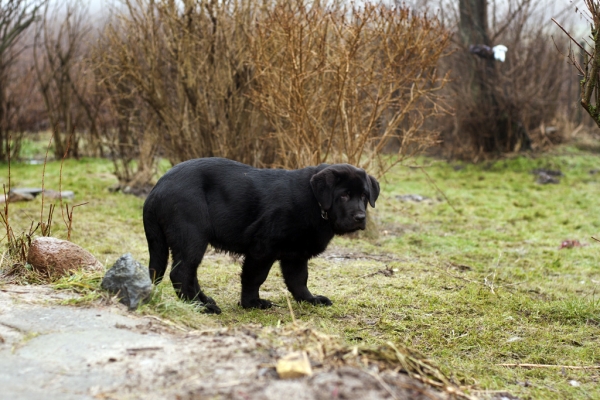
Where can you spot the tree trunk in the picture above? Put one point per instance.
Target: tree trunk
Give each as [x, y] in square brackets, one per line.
[494, 125]
[15, 17]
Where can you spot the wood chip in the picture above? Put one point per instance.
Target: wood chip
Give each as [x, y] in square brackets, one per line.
[294, 365]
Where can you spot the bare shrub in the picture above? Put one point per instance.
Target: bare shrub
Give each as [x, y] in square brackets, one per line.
[16, 16]
[207, 78]
[177, 76]
[340, 83]
[64, 80]
[131, 131]
[23, 110]
[588, 66]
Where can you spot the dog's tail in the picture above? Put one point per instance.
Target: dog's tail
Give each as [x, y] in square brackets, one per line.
[157, 246]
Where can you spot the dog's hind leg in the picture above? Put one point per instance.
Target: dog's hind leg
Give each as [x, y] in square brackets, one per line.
[254, 274]
[295, 274]
[187, 256]
[157, 247]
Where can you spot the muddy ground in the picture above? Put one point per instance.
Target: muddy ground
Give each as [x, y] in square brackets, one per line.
[52, 351]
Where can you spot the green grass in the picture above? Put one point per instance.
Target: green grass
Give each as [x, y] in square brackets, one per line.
[476, 283]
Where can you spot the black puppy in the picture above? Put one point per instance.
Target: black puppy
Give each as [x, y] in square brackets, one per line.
[263, 214]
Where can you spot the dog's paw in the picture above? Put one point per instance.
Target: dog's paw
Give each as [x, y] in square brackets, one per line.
[257, 303]
[208, 308]
[319, 301]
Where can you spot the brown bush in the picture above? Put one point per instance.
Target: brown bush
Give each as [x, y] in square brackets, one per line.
[215, 78]
[177, 78]
[280, 83]
[340, 84]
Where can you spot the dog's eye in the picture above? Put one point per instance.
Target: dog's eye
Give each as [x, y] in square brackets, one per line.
[363, 196]
[345, 197]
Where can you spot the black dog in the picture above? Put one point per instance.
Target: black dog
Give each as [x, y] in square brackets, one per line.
[263, 214]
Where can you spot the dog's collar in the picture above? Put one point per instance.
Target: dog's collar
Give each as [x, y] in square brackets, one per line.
[323, 213]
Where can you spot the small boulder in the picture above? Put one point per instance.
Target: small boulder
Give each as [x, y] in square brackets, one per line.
[14, 197]
[55, 257]
[416, 198]
[544, 179]
[546, 176]
[54, 195]
[129, 280]
[28, 194]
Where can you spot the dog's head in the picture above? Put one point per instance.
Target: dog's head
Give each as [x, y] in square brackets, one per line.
[343, 191]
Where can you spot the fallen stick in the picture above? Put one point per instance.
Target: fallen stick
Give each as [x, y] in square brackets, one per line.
[550, 366]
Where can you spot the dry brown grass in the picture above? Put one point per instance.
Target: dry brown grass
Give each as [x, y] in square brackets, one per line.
[331, 351]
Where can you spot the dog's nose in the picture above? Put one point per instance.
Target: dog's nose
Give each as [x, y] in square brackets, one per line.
[360, 217]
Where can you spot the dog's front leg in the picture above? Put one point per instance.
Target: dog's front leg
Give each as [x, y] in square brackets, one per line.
[295, 274]
[254, 274]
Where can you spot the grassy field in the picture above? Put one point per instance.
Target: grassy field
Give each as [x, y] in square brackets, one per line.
[473, 277]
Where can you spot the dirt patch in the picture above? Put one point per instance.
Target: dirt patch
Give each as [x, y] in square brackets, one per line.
[341, 254]
[53, 351]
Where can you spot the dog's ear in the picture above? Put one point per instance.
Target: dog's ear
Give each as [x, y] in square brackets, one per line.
[373, 190]
[322, 184]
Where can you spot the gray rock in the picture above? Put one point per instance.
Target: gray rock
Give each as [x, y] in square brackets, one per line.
[417, 198]
[544, 179]
[129, 280]
[546, 176]
[16, 195]
[65, 194]
[27, 191]
[28, 194]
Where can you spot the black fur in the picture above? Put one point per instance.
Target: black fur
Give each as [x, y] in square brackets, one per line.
[266, 215]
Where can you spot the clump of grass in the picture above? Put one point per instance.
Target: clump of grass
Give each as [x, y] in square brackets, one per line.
[572, 311]
[18, 269]
[85, 283]
[18, 244]
[165, 304]
[16, 273]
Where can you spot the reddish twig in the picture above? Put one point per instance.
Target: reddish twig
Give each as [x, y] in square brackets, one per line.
[60, 188]
[571, 37]
[549, 366]
[70, 217]
[45, 228]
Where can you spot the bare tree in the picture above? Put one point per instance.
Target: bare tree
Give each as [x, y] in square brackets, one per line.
[16, 16]
[60, 65]
[503, 106]
[588, 66]
[495, 129]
